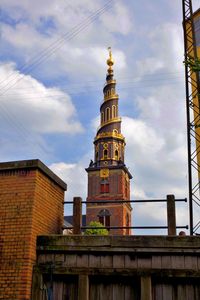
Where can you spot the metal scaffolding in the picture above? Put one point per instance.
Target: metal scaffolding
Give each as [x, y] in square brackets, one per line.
[193, 116]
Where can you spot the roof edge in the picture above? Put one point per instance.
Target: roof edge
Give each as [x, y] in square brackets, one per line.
[33, 164]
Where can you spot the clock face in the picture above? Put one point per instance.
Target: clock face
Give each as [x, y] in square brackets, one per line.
[104, 173]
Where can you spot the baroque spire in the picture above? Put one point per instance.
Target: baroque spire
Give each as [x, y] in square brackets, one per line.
[108, 176]
[109, 142]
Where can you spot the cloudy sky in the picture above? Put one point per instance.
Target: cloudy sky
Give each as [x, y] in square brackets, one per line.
[52, 71]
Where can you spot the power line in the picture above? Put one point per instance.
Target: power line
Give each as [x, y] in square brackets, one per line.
[119, 79]
[74, 90]
[68, 36]
[56, 45]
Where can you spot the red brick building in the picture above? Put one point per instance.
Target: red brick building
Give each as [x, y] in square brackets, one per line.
[31, 203]
[108, 176]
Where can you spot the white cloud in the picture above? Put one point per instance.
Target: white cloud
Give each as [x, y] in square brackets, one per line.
[155, 150]
[118, 20]
[42, 109]
[167, 47]
[82, 55]
[76, 178]
[157, 170]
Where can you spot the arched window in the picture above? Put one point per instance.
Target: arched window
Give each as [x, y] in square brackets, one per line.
[112, 91]
[108, 93]
[107, 114]
[105, 153]
[104, 217]
[114, 111]
[116, 154]
[102, 117]
[115, 131]
[104, 187]
[97, 156]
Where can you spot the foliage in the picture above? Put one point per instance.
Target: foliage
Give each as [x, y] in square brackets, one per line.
[194, 64]
[97, 230]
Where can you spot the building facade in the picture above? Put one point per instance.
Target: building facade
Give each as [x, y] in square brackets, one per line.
[31, 203]
[108, 176]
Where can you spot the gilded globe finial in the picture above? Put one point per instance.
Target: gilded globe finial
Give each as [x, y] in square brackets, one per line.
[110, 60]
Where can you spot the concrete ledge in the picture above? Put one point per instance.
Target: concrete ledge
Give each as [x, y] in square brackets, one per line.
[136, 244]
[30, 165]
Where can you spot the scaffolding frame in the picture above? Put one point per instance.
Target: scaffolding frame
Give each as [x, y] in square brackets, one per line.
[192, 85]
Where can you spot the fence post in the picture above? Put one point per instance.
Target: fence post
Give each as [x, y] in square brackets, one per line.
[146, 291]
[171, 215]
[77, 215]
[83, 287]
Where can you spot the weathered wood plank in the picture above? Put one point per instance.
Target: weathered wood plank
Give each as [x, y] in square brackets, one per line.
[82, 260]
[77, 215]
[189, 290]
[171, 215]
[131, 292]
[59, 257]
[83, 287]
[178, 262]
[197, 291]
[118, 261]
[37, 283]
[167, 292]
[144, 262]
[181, 295]
[106, 261]
[70, 289]
[157, 292]
[70, 260]
[57, 290]
[191, 262]
[156, 262]
[106, 290]
[146, 291]
[166, 262]
[118, 291]
[94, 261]
[130, 261]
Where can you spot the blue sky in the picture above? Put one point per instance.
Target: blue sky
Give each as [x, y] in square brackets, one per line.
[52, 71]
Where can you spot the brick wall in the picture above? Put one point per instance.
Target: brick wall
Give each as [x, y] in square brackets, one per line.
[31, 203]
[119, 189]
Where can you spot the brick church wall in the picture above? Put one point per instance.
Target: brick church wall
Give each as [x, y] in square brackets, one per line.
[117, 191]
[31, 204]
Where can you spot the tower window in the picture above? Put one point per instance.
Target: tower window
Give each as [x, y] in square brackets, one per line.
[105, 153]
[114, 111]
[107, 118]
[104, 187]
[104, 217]
[102, 117]
[116, 154]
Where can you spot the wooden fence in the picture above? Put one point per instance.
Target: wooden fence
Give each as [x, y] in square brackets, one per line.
[117, 268]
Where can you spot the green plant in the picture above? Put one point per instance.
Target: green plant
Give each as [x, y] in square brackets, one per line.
[194, 64]
[97, 230]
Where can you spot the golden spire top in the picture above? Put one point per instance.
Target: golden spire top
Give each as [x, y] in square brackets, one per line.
[110, 61]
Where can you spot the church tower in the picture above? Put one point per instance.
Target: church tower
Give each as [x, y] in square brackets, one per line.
[108, 176]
